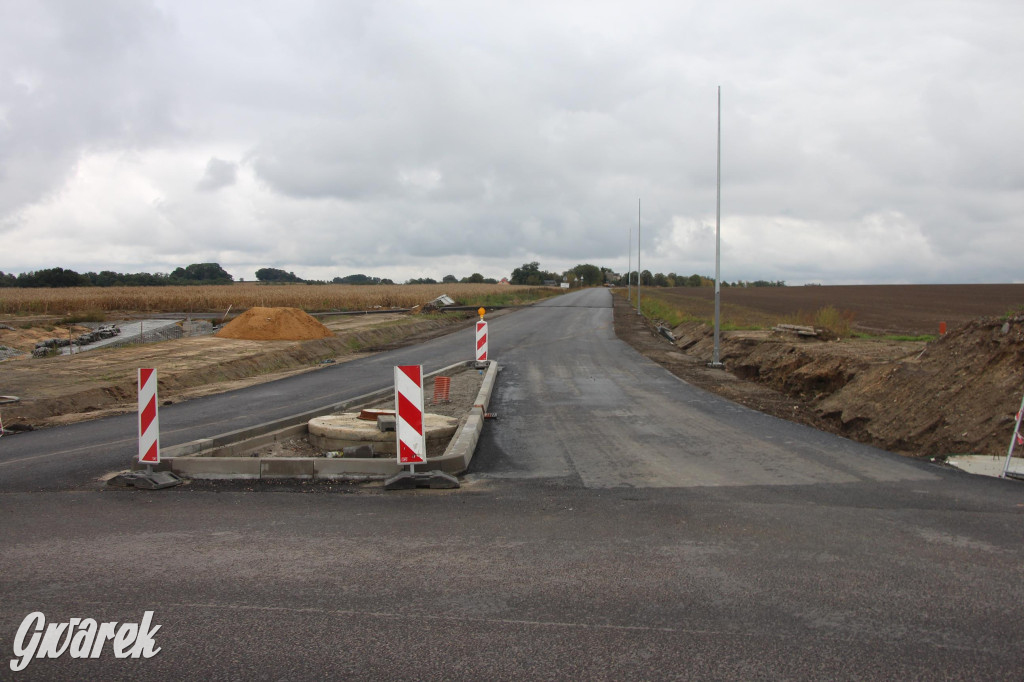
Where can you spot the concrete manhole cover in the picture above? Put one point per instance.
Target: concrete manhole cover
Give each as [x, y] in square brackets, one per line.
[339, 431]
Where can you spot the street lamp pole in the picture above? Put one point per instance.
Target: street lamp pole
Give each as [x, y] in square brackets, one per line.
[638, 256]
[716, 356]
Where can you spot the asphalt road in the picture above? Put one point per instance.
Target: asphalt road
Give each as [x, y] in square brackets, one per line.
[72, 456]
[617, 524]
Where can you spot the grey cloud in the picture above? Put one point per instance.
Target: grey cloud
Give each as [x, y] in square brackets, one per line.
[218, 174]
[77, 77]
[377, 133]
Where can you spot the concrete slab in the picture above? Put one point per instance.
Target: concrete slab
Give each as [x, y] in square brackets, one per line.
[131, 332]
[987, 465]
[298, 467]
[216, 467]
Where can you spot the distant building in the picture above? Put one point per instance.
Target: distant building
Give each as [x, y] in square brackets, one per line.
[504, 280]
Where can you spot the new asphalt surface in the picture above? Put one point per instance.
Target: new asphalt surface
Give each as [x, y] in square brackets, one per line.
[616, 524]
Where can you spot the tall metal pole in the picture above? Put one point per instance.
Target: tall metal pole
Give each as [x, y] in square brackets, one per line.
[629, 278]
[638, 271]
[716, 357]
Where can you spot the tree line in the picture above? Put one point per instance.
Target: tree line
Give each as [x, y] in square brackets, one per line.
[593, 275]
[278, 275]
[196, 273]
[673, 280]
[531, 274]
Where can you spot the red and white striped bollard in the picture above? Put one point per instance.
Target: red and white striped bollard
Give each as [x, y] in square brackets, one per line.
[412, 443]
[149, 419]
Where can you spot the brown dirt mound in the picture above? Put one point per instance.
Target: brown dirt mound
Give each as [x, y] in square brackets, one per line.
[274, 324]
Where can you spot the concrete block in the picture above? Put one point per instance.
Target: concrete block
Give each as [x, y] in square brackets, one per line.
[334, 468]
[216, 467]
[297, 467]
[191, 448]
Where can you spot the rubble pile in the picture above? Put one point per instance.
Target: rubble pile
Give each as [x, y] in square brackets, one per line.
[48, 346]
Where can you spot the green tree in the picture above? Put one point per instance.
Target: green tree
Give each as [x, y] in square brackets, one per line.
[524, 273]
[202, 272]
[276, 275]
[356, 279]
[588, 275]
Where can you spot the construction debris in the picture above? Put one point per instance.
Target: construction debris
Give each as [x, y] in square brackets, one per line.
[430, 306]
[48, 346]
[797, 329]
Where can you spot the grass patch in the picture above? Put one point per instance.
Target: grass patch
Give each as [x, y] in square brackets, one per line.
[1012, 313]
[656, 309]
[909, 337]
[894, 337]
[354, 345]
[839, 322]
[836, 321]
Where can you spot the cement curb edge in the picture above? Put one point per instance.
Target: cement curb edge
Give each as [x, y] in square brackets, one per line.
[187, 460]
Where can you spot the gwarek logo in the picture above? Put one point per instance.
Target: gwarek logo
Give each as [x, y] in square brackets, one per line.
[82, 638]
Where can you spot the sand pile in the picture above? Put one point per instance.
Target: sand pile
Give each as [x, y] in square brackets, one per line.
[274, 324]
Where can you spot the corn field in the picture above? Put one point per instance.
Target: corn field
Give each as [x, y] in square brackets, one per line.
[311, 298]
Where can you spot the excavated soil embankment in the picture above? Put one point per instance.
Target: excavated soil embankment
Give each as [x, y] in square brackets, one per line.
[957, 394]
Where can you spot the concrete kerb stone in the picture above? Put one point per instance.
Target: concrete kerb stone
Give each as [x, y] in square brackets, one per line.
[195, 459]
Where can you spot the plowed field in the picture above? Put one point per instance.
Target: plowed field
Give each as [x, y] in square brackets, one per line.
[879, 309]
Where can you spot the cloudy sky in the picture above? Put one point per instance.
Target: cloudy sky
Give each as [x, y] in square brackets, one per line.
[863, 141]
